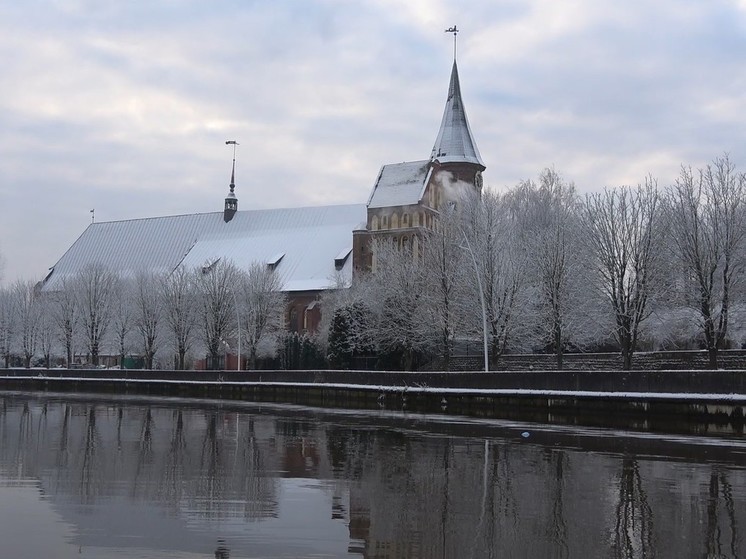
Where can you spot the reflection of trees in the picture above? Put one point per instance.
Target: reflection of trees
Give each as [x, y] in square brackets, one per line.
[145, 446]
[63, 453]
[633, 533]
[557, 525]
[211, 480]
[255, 486]
[89, 468]
[25, 435]
[171, 486]
[720, 487]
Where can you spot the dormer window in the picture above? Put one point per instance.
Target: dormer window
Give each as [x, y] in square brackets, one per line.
[341, 258]
[274, 260]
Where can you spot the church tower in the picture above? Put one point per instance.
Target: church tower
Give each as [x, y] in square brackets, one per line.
[407, 198]
[455, 150]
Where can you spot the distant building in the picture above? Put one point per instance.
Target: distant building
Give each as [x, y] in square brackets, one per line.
[312, 248]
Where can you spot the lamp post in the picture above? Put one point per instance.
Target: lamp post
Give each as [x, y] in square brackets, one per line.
[481, 300]
[238, 323]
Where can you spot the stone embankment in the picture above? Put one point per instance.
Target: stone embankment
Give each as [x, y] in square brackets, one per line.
[650, 399]
[643, 361]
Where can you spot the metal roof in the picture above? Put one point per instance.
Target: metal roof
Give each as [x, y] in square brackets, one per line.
[455, 143]
[399, 184]
[310, 239]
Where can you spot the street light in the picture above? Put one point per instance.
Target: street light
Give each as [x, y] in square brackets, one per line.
[481, 300]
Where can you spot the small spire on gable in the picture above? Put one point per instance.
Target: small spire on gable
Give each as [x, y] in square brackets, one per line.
[231, 202]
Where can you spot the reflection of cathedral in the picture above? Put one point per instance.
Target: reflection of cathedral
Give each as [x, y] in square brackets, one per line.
[174, 476]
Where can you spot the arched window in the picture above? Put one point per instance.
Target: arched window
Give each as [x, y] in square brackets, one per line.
[385, 222]
[405, 220]
[293, 320]
[374, 223]
[395, 221]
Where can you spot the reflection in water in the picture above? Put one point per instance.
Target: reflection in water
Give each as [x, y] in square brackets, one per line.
[717, 531]
[245, 481]
[633, 534]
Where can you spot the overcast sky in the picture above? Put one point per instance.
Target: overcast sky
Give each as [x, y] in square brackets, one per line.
[125, 107]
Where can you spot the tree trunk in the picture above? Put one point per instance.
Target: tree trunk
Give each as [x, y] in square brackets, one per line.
[712, 354]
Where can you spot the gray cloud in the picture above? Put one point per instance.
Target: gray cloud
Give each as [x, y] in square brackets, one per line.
[125, 107]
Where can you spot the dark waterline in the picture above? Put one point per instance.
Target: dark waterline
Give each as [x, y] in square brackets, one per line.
[88, 476]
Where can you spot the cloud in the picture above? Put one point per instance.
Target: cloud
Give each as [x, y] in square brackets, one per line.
[125, 107]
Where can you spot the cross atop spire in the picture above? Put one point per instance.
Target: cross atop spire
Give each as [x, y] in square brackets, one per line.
[453, 30]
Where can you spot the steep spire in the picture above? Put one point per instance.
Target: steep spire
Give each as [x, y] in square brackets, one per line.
[455, 143]
[231, 202]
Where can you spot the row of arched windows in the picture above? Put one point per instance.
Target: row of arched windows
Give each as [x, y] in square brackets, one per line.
[393, 221]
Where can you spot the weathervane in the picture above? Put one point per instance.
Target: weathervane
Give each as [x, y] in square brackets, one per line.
[453, 30]
[93, 215]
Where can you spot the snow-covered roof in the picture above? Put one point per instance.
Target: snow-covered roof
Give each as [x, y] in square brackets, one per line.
[308, 238]
[455, 143]
[399, 184]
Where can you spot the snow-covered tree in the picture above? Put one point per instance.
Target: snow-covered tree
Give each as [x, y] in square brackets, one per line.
[549, 223]
[7, 324]
[492, 229]
[95, 287]
[261, 308]
[624, 231]
[65, 315]
[47, 327]
[707, 210]
[123, 317]
[445, 266]
[180, 311]
[217, 283]
[395, 294]
[28, 317]
[148, 306]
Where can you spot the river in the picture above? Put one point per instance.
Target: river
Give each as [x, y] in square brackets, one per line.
[113, 477]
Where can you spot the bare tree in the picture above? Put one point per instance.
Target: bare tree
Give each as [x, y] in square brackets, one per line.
[549, 216]
[216, 283]
[28, 315]
[180, 311]
[64, 313]
[95, 287]
[123, 317]
[492, 227]
[7, 324]
[147, 316]
[445, 266]
[708, 224]
[262, 307]
[47, 327]
[622, 227]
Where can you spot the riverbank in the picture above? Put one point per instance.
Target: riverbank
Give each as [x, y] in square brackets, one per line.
[657, 400]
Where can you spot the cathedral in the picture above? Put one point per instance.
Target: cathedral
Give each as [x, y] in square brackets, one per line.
[312, 248]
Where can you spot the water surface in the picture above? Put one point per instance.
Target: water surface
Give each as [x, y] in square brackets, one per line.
[83, 476]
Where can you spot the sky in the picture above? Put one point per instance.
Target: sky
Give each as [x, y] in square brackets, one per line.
[125, 107]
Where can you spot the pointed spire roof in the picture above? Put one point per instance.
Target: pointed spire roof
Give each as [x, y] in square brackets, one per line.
[455, 143]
